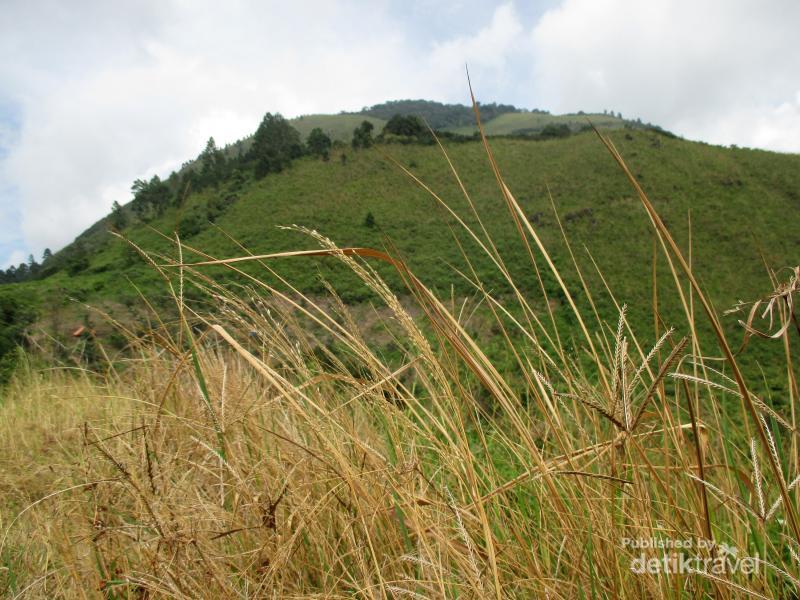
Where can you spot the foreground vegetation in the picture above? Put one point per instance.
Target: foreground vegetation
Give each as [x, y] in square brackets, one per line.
[261, 443]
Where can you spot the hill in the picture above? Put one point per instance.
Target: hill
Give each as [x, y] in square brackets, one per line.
[737, 201]
[254, 415]
[498, 119]
[338, 127]
[526, 123]
[438, 115]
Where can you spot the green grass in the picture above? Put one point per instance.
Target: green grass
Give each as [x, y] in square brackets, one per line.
[511, 123]
[338, 127]
[738, 201]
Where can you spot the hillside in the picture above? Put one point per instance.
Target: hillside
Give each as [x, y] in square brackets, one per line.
[438, 115]
[368, 416]
[522, 123]
[738, 201]
[499, 119]
[338, 127]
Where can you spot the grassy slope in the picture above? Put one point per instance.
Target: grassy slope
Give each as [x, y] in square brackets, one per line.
[739, 201]
[512, 122]
[338, 127]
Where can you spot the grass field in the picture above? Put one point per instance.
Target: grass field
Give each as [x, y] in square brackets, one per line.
[262, 444]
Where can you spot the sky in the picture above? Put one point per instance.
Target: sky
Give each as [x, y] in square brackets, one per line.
[95, 94]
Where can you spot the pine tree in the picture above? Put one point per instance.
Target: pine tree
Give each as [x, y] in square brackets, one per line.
[212, 161]
[118, 217]
[275, 145]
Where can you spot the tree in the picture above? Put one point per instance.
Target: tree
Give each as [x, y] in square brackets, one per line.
[275, 145]
[319, 143]
[369, 220]
[140, 204]
[362, 135]
[46, 255]
[407, 125]
[23, 271]
[236, 179]
[212, 163]
[150, 198]
[552, 130]
[118, 217]
[33, 266]
[184, 185]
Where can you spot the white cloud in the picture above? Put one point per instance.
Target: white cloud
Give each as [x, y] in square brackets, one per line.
[723, 71]
[103, 93]
[122, 96]
[492, 54]
[16, 258]
[92, 125]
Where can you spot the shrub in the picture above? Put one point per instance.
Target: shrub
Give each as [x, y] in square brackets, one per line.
[555, 131]
[407, 125]
[362, 135]
[318, 143]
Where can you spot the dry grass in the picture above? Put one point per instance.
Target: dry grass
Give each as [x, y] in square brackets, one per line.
[262, 447]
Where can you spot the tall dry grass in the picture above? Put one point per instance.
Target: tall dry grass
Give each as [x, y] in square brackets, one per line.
[263, 447]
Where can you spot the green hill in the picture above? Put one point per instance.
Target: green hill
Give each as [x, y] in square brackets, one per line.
[456, 118]
[214, 421]
[738, 201]
[438, 115]
[521, 123]
[498, 119]
[338, 127]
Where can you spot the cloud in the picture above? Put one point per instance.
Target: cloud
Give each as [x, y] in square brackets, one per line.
[494, 53]
[107, 97]
[94, 94]
[722, 71]
[130, 95]
[16, 258]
